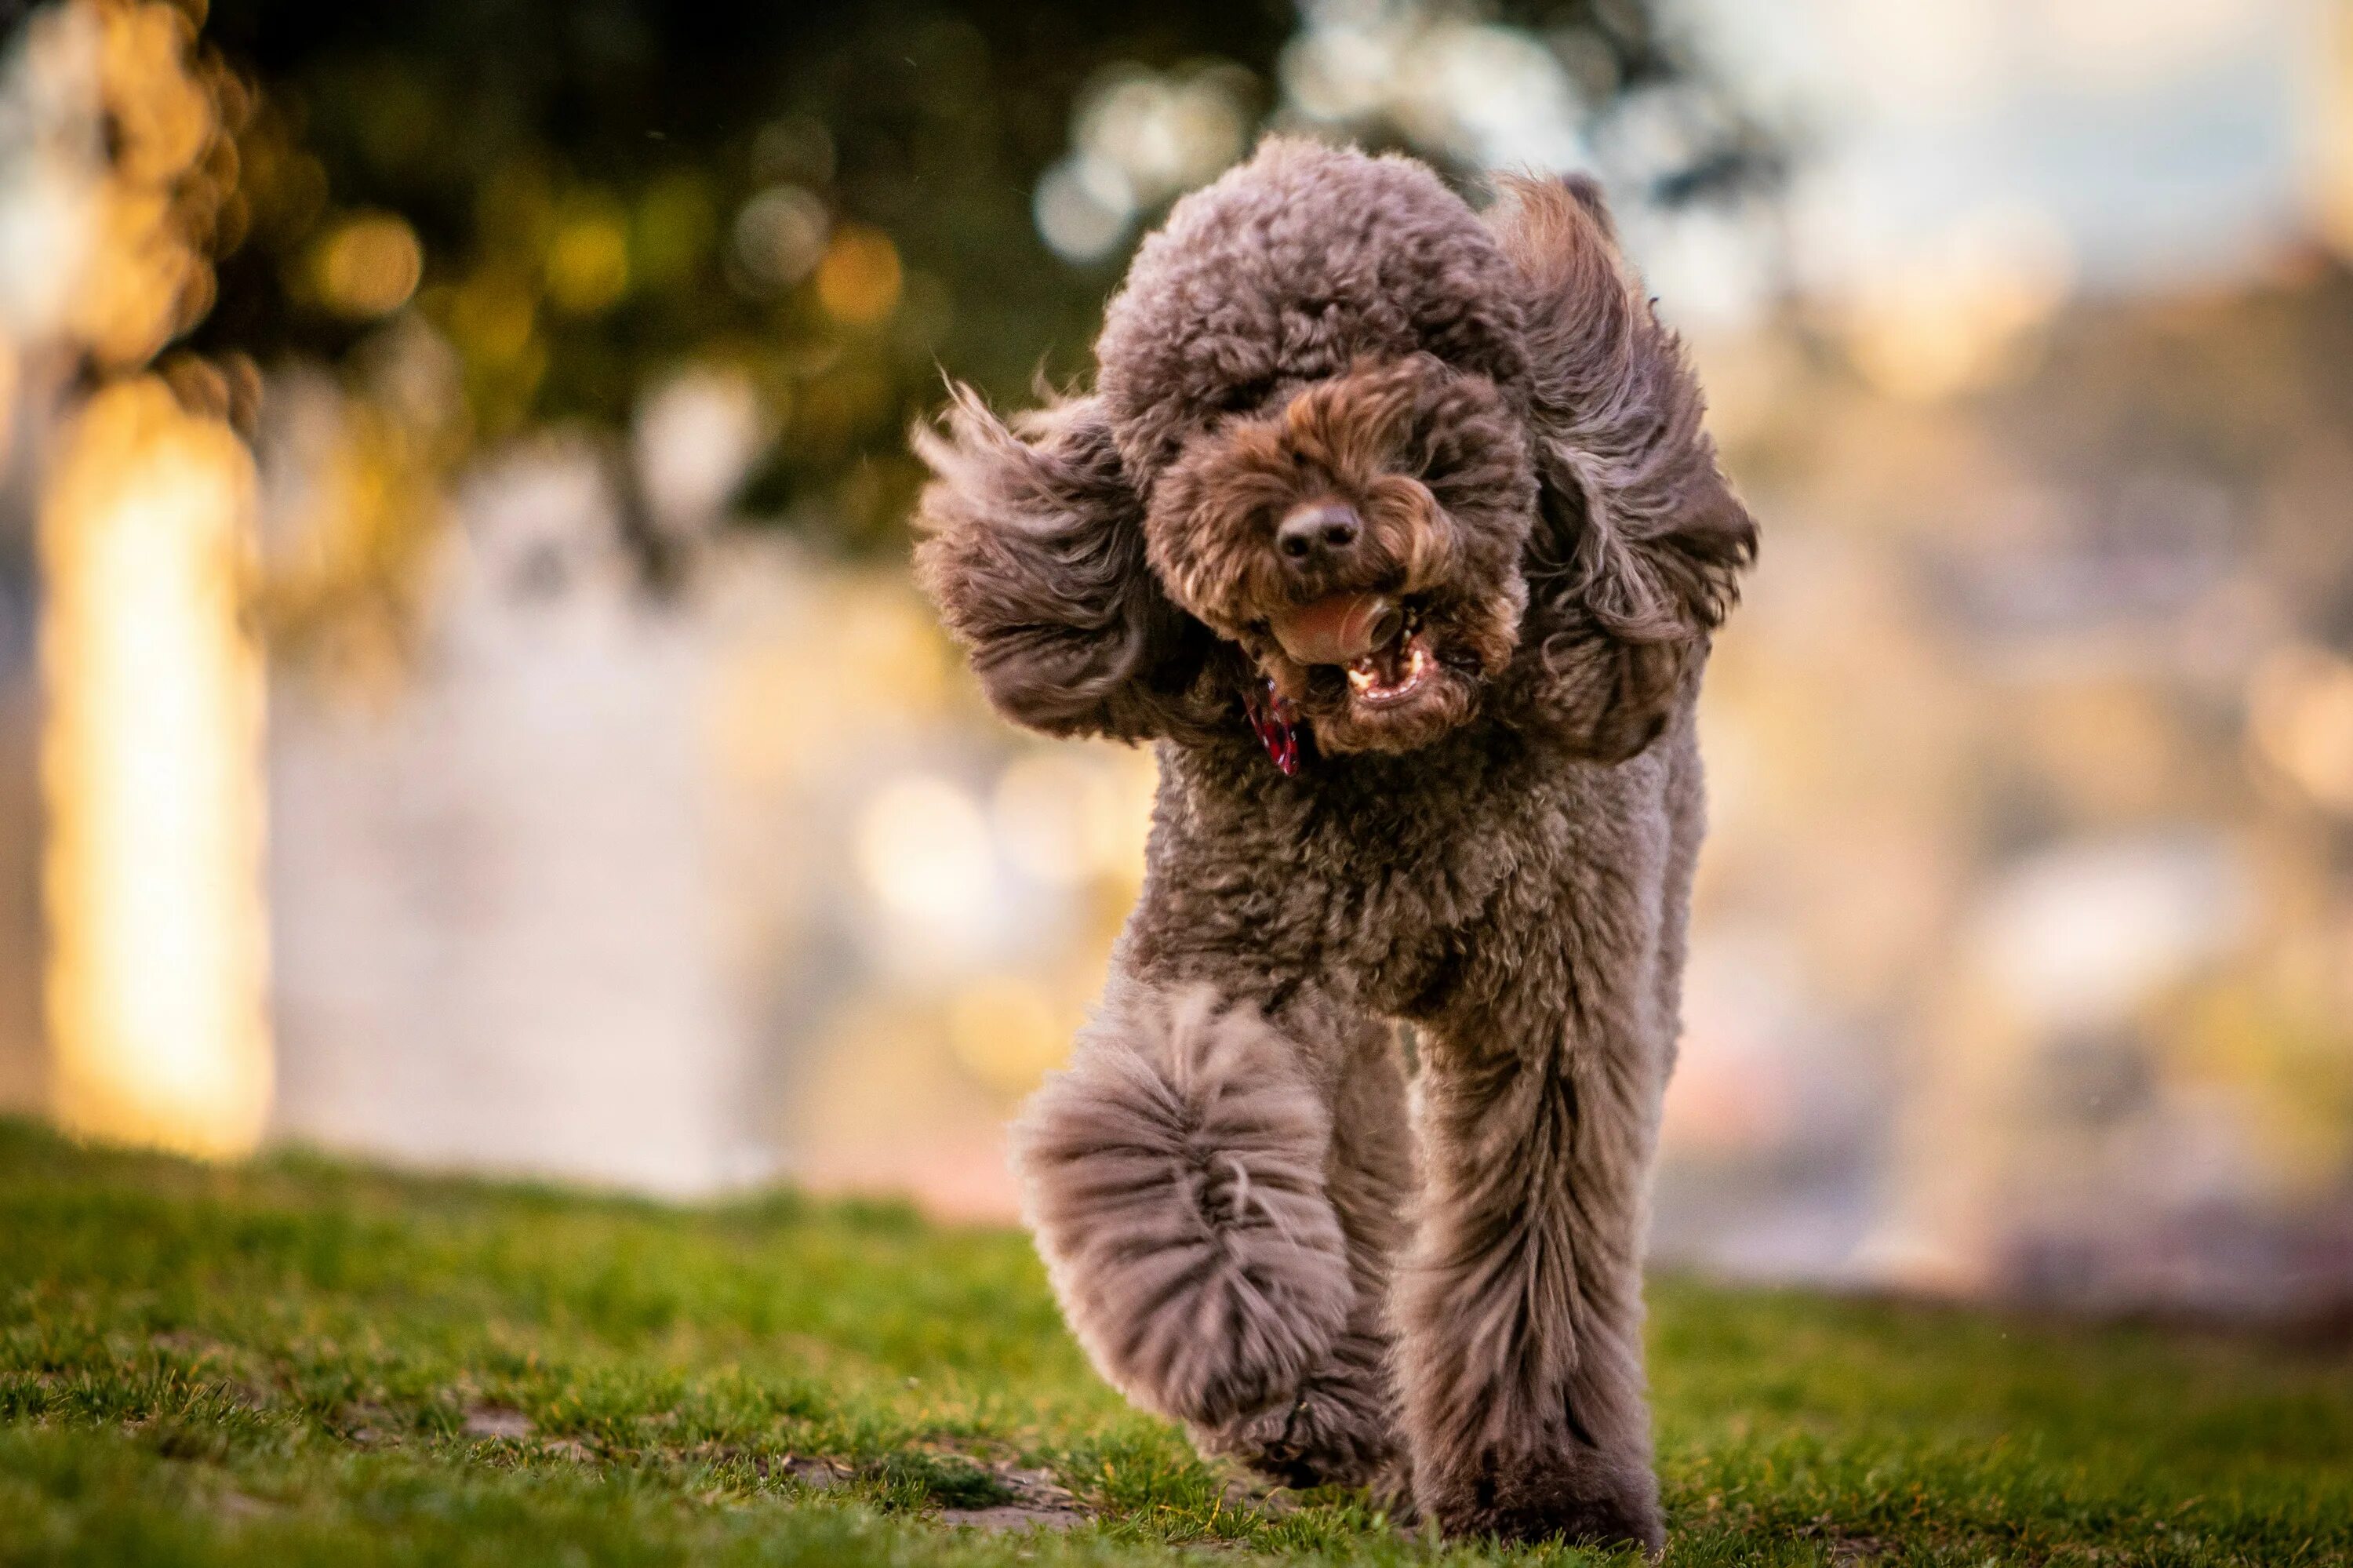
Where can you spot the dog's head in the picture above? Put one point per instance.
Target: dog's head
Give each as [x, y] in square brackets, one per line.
[1361, 540]
[1402, 464]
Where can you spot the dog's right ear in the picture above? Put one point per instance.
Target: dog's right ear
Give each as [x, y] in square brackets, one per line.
[1034, 553]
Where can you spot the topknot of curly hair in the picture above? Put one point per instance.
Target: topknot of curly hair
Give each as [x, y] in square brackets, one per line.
[1285, 270]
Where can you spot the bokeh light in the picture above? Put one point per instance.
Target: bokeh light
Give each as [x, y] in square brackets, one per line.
[923, 849]
[588, 259]
[1008, 1031]
[1139, 137]
[369, 266]
[1495, 95]
[2301, 705]
[780, 235]
[859, 276]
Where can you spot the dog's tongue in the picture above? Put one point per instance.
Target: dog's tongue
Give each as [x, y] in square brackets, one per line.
[1338, 629]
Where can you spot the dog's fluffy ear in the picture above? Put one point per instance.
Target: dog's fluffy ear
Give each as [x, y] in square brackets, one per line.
[1034, 553]
[1635, 559]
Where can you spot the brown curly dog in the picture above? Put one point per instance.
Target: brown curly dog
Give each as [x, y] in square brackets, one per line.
[1397, 529]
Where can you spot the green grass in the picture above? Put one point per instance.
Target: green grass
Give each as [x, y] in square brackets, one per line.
[304, 1361]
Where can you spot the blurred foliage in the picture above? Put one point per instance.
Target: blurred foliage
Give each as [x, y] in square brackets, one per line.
[834, 197]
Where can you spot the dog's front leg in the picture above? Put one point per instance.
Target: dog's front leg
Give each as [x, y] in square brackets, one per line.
[1341, 1426]
[1520, 1305]
[1176, 1179]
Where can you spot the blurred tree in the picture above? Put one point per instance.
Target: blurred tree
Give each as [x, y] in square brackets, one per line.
[836, 198]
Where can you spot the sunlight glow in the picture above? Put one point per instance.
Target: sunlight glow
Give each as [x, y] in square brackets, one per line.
[2300, 716]
[152, 777]
[923, 847]
[2332, 127]
[1006, 1030]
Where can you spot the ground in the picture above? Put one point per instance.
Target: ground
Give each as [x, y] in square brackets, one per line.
[309, 1361]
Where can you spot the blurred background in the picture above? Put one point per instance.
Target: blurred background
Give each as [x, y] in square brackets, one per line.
[461, 700]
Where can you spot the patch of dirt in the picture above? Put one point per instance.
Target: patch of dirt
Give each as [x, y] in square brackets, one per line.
[1008, 1517]
[195, 1346]
[816, 1475]
[1002, 1496]
[497, 1420]
[1246, 1494]
[1847, 1549]
[1039, 1503]
[366, 1424]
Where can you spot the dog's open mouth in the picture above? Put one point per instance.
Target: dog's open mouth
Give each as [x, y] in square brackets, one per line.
[1392, 673]
[1376, 640]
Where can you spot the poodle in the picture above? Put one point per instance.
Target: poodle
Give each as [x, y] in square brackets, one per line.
[1394, 527]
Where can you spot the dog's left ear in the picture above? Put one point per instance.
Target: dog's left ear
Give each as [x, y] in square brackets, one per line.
[1635, 557]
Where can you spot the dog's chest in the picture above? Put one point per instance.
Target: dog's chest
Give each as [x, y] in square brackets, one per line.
[1386, 876]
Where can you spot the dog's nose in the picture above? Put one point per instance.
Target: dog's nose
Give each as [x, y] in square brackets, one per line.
[1323, 531]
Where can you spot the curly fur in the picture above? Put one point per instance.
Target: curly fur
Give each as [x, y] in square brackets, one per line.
[1074, 637]
[1641, 542]
[1244, 1227]
[1287, 276]
[1177, 1196]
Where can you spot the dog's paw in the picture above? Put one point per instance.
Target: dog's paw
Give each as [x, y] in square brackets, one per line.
[1336, 1431]
[1175, 1184]
[1578, 1495]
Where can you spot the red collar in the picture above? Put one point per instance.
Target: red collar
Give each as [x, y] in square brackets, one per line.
[1275, 719]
